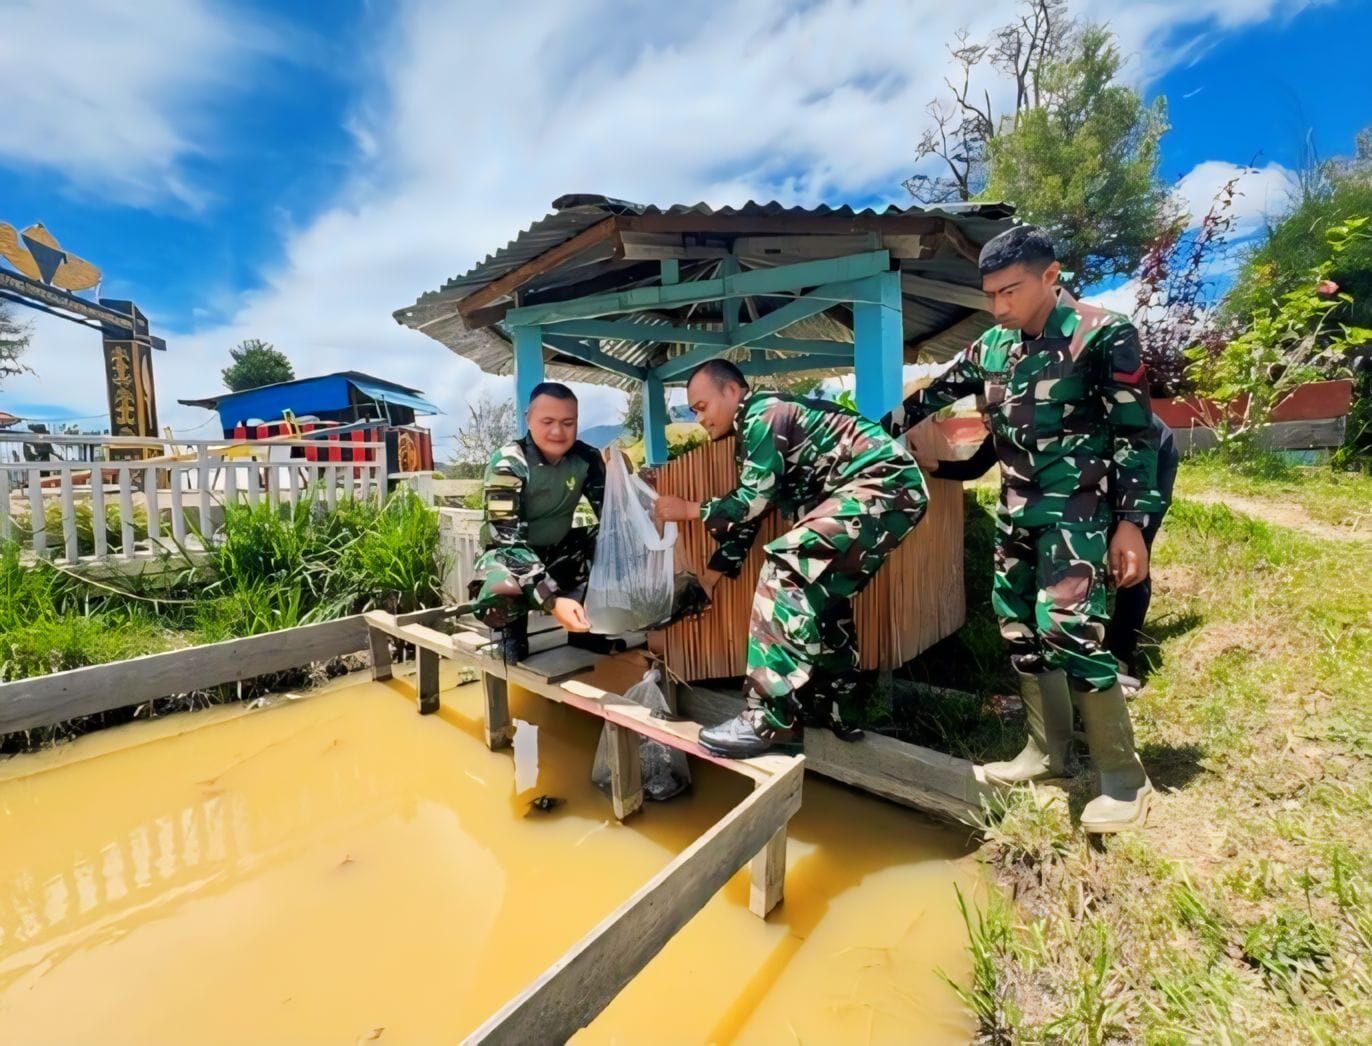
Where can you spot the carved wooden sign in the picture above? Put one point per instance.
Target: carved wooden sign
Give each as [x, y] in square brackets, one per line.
[35, 253]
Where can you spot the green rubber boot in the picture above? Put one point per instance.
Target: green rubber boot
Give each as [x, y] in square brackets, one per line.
[1122, 787]
[1048, 710]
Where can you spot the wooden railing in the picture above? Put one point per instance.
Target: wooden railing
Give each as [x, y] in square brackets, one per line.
[170, 500]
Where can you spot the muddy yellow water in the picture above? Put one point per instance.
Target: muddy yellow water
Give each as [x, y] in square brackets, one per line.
[339, 869]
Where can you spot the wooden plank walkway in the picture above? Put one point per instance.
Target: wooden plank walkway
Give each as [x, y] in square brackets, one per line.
[551, 674]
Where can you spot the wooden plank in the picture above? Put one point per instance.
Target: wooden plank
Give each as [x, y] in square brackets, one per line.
[569, 995]
[911, 775]
[427, 688]
[250, 482]
[6, 522]
[496, 696]
[380, 645]
[154, 511]
[98, 525]
[683, 735]
[600, 232]
[202, 472]
[960, 242]
[560, 663]
[939, 290]
[178, 510]
[38, 522]
[626, 770]
[43, 700]
[72, 550]
[767, 876]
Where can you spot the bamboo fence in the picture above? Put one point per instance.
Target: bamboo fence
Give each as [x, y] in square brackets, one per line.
[915, 600]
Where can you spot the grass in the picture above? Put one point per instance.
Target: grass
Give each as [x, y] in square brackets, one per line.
[1336, 498]
[1244, 911]
[275, 568]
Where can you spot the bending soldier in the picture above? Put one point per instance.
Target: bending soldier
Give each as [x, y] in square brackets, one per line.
[855, 493]
[533, 558]
[1066, 398]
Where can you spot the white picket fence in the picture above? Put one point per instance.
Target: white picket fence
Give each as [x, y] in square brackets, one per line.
[167, 503]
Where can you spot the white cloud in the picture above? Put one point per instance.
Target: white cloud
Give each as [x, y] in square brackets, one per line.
[1260, 194]
[107, 96]
[483, 115]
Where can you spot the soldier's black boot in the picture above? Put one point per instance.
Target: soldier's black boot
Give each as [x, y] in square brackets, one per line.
[1122, 786]
[746, 735]
[513, 641]
[1048, 714]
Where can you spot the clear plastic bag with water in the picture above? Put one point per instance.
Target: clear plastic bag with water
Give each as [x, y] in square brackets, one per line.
[631, 586]
[665, 770]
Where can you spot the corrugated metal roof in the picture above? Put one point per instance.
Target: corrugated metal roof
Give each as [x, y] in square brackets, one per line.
[934, 327]
[576, 212]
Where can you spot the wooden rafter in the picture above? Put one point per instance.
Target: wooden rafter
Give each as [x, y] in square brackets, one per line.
[602, 231]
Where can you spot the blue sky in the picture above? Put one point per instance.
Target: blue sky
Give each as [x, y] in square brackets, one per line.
[296, 172]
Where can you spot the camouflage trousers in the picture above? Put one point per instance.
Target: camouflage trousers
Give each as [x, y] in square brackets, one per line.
[1049, 592]
[802, 643]
[502, 590]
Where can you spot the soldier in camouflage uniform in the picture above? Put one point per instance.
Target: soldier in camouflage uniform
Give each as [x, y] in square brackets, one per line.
[1066, 398]
[533, 558]
[855, 493]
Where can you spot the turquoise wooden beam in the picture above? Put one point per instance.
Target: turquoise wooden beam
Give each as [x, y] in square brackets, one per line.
[879, 352]
[671, 270]
[528, 369]
[809, 305]
[729, 267]
[629, 330]
[782, 279]
[777, 365]
[809, 345]
[654, 421]
[594, 356]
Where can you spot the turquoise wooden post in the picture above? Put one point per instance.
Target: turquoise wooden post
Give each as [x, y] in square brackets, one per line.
[528, 369]
[879, 346]
[654, 420]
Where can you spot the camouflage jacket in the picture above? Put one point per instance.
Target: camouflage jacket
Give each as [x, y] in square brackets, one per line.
[1068, 411]
[793, 453]
[528, 502]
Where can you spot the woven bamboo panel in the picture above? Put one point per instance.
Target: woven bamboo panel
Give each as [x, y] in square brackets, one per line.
[914, 601]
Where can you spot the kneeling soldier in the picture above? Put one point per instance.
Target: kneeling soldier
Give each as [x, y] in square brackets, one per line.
[533, 558]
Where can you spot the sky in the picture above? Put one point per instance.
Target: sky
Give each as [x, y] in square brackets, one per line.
[297, 172]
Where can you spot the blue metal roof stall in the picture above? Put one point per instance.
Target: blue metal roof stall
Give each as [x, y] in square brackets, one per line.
[344, 397]
[619, 293]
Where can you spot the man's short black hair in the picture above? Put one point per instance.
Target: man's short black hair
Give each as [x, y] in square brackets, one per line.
[721, 372]
[555, 389]
[1024, 243]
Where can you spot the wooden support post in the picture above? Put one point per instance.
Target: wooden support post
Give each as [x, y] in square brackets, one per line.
[428, 680]
[879, 348]
[381, 654]
[768, 874]
[654, 420]
[499, 728]
[626, 770]
[528, 369]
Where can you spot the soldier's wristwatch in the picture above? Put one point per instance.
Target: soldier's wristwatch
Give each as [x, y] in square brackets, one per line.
[1139, 519]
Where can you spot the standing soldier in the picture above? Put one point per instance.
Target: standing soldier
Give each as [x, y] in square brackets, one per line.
[533, 558]
[1066, 397]
[855, 494]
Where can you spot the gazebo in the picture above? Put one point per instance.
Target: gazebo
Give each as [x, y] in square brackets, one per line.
[623, 294]
[632, 296]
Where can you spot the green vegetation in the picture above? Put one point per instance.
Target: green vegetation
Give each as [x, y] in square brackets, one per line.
[1076, 151]
[1244, 911]
[255, 363]
[276, 568]
[14, 340]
